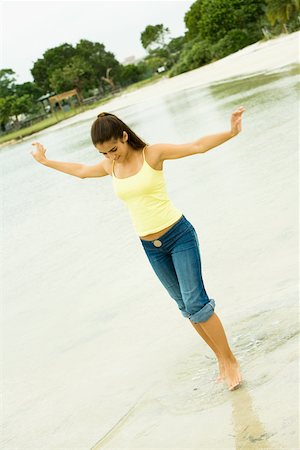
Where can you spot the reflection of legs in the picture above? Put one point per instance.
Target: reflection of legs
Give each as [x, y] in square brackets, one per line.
[214, 330]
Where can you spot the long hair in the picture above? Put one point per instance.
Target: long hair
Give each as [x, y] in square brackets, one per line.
[108, 126]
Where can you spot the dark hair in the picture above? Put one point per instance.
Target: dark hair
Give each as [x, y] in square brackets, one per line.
[108, 126]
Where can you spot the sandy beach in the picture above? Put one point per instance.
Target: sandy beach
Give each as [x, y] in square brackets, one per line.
[259, 57]
[95, 353]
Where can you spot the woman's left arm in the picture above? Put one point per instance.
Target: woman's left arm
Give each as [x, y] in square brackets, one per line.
[202, 145]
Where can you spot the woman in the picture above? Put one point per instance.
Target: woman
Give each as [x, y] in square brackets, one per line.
[168, 238]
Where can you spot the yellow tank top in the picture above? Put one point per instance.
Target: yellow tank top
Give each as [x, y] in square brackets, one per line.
[146, 198]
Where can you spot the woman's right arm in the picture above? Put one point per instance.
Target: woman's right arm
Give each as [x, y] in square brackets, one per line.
[76, 169]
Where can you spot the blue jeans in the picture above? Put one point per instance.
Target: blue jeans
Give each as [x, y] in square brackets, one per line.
[175, 258]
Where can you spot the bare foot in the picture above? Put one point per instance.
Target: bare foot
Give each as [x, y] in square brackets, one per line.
[221, 375]
[232, 374]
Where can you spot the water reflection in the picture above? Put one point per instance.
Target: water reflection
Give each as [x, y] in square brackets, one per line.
[235, 86]
[248, 430]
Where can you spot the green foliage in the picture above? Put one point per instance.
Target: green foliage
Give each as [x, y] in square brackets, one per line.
[54, 58]
[30, 89]
[195, 54]
[154, 62]
[154, 36]
[173, 50]
[5, 109]
[219, 17]
[232, 42]
[65, 67]
[76, 74]
[294, 23]
[64, 79]
[132, 73]
[21, 105]
[217, 28]
[39, 72]
[7, 82]
[192, 20]
[176, 44]
[166, 55]
[283, 12]
[12, 106]
[145, 70]
[16, 99]
[97, 61]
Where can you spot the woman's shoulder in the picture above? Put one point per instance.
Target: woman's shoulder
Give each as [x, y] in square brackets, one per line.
[108, 166]
[152, 156]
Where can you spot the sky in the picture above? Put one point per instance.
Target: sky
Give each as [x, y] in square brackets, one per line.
[29, 28]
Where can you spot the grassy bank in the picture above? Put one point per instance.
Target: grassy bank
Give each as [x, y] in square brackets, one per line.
[17, 135]
[20, 134]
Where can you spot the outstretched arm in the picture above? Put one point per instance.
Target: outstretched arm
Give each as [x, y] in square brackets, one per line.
[75, 169]
[202, 145]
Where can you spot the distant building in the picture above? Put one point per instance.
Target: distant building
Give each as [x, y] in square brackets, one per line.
[128, 60]
[131, 60]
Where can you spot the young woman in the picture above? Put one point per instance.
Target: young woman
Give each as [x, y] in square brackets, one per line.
[168, 238]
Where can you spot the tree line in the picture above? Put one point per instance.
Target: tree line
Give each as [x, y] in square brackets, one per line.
[215, 28]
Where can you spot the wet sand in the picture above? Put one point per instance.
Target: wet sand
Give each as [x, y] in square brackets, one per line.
[184, 408]
[96, 355]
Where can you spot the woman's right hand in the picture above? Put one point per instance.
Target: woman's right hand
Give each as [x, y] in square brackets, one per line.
[39, 152]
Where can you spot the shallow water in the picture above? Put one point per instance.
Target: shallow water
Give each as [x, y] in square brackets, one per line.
[93, 348]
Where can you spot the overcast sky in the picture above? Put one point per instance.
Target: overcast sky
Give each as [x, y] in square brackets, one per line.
[29, 28]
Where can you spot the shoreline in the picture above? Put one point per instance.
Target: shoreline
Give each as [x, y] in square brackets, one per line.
[259, 57]
[97, 355]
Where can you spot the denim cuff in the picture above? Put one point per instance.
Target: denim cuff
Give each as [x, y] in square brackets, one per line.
[204, 314]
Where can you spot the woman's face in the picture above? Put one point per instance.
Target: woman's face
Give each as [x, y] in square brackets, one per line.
[114, 149]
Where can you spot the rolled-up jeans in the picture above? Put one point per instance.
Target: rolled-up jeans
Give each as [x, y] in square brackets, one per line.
[175, 258]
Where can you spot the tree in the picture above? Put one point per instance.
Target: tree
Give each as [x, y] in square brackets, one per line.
[75, 75]
[15, 99]
[195, 53]
[7, 82]
[130, 74]
[154, 36]
[160, 53]
[30, 89]
[154, 61]
[232, 42]
[81, 67]
[218, 17]
[192, 20]
[5, 111]
[282, 11]
[21, 105]
[39, 72]
[53, 58]
[99, 61]
[174, 48]
[14, 106]
[176, 44]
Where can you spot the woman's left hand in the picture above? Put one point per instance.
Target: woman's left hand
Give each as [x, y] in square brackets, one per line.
[236, 120]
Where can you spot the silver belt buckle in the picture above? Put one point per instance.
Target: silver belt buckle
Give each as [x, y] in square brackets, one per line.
[157, 243]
